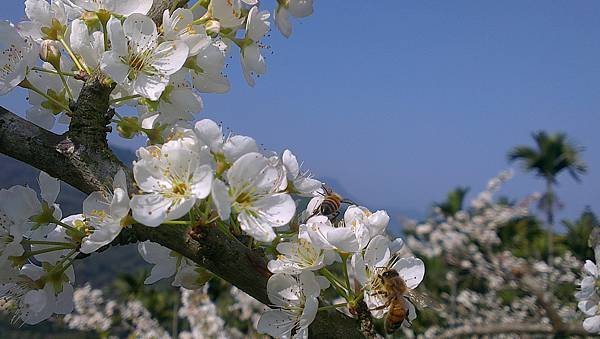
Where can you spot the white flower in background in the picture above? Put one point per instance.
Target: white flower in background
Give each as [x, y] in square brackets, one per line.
[89, 46]
[46, 19]
[253, 195]
[22, 206]
[296, 299]
[119, 7]
[228, 12]
[137, 60]
[168, 263]
[17, 55]
[37, 298]
[298, 183]
[322, 234]
[11, 234]
[588, 297]
[296, 8]
[232, 148]
[257, 25]
[207, 77]
[300, 255]
[177, 102]
[44, 112]
[174, 177]
[180, 26]
[104, 214]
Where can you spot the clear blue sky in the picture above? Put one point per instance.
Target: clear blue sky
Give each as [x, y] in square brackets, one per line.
[402, 101]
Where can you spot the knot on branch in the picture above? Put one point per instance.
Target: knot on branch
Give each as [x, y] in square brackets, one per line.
[91, 115]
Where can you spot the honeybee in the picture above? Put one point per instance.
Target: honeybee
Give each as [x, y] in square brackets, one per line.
[331, 204]
[397, 294]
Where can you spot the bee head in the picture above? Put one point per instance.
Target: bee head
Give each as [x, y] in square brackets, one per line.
[388, 274]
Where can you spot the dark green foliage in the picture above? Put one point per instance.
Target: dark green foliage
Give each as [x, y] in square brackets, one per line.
[454, 201]
[578, 233]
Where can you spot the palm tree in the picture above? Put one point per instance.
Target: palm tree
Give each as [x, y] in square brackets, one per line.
[553, 154]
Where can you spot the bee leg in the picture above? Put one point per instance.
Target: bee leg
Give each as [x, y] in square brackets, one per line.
[387, 304]
[378, 308]
[377, 293]
[334, 215]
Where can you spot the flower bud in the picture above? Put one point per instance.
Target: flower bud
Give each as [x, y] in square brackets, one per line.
[50, 53]
[128, 127]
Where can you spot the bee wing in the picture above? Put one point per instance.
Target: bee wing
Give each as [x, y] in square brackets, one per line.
[393, 260]
[423, 300]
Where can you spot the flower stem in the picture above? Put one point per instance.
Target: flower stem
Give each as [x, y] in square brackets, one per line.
[47, 250]
[43, 70]
[346, 276]
[73, 57]
[64, 81]
[117, 100]
[177, 222]
[67, 261]
[332, 307]
[43, 242]
[334, 282]
[30, 86]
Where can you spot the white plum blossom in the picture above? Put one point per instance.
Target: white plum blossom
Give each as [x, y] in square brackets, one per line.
[298, 182]
[119, 7]
[588, 297]
[25, 209]
[207, 76]
[137, 60]
[322, 234]
[227, 12]
[300, 255]
[231, 149]
[180, 26]
[257, 25]
[47, 20]
[253, 196]
[177, 102]
[104, 214]
[173, 178]
[296, 8]
[17, 55]
[296, 300]
[11, 234]
[367, 269]
[168, 263]
[90, 46]
[37, 298]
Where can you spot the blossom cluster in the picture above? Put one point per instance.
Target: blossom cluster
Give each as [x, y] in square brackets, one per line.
[110, 318]
[479, 277]
[589, 298]
[159, 70]
[190, 174]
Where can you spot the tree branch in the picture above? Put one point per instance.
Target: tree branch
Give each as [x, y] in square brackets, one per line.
[510, 328]
[82, 158]
[93, 168]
